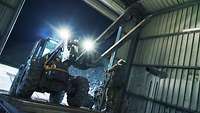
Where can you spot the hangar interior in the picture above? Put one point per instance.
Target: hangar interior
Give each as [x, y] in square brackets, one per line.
[168, 40]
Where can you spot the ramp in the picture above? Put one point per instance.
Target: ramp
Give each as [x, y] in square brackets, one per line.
[13, 105]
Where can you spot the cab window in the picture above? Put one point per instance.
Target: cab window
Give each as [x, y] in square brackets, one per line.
[50, 46]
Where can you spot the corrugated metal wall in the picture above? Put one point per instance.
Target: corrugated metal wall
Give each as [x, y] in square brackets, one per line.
[9, 10]
[170, 43]
[154, 5]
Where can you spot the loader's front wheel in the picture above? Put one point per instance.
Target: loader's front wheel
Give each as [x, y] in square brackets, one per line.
[78, 92]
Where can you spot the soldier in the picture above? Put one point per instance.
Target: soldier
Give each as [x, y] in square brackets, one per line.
[97, 98]
[114, 87]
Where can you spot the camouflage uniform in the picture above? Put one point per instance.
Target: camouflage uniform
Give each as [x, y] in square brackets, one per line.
[98, 98]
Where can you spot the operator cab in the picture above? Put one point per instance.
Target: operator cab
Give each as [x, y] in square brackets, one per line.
[47, 46]
[50, 46]
[43, 47]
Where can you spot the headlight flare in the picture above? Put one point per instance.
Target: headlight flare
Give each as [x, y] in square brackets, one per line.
[64, 33]
[88, 45]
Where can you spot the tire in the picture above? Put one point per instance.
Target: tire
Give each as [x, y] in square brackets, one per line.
[78, 92]
[89, 101]
[56, 97]
[25, 90]
[30, 80]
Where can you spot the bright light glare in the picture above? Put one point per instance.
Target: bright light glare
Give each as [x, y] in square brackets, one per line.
[88, 45]
[64, 33]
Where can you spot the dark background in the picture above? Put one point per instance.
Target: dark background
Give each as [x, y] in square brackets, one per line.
[35, 20]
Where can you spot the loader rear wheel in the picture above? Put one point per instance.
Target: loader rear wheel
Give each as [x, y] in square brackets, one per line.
[25, 89]
[30, 80]
[56, 97]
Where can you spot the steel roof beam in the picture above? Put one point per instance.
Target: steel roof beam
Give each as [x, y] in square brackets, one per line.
[102, 8]
[111, 29]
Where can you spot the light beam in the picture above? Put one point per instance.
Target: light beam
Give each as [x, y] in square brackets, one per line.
[88, 45]
[64, 33]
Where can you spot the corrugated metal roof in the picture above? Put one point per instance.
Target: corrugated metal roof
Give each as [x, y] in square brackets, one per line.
[114, 6]
[103, 8]
[154, 5]
[150, 6]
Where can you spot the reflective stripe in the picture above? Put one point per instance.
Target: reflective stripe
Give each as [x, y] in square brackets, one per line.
[56, 69]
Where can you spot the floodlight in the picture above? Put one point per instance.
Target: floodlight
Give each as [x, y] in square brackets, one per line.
[64, 33]
[88, 45]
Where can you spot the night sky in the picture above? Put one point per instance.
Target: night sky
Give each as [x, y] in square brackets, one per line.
[36, 18]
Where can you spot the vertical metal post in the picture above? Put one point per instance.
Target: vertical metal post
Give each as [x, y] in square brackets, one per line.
[112, 58]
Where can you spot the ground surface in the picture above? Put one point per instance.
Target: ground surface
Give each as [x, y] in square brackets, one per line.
[18, 105]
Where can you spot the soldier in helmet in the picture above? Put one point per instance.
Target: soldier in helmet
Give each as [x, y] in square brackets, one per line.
[114, 87]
